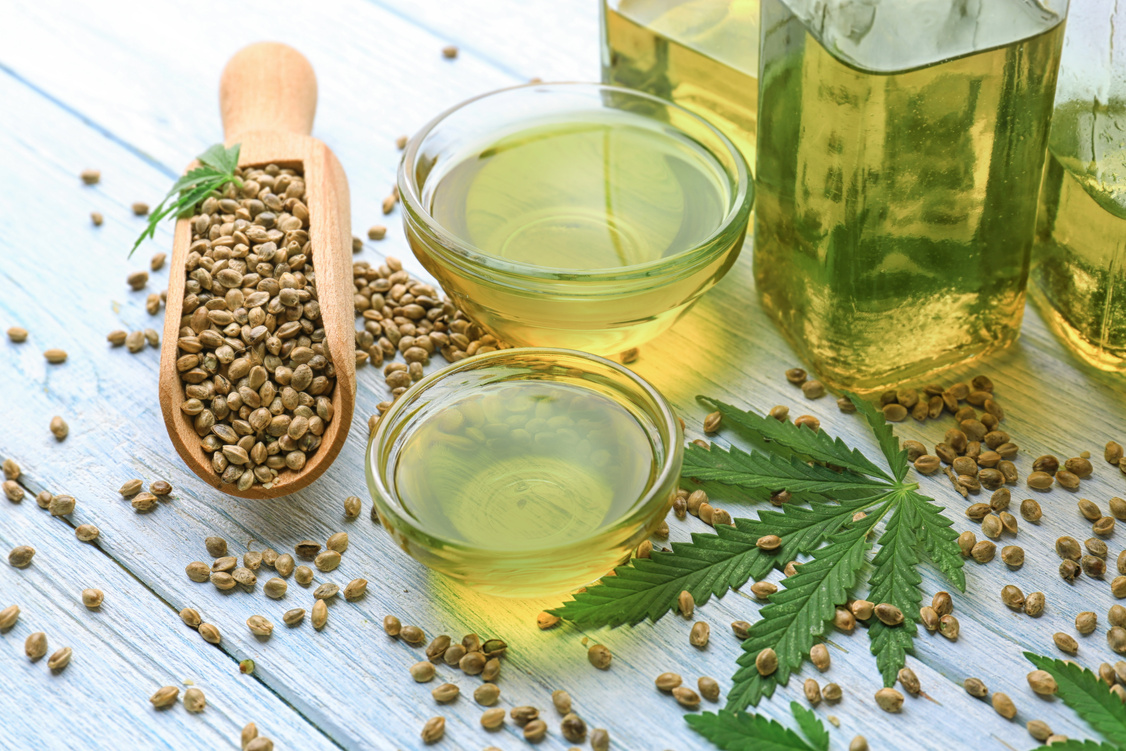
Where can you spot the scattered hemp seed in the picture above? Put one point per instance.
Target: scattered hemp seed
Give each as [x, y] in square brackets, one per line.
[1116, 639]
[20, 556]
[293, 617]
[259, 625]
[813, 389]
[194, 700]
[1034, 604]
[600, 656]
[984, 551]
[709, 688]
[686, 697]
[975, 687]
[92, 598]
[949, 627]
[303, 575]
[327, 561]
[433, 730]
[1039, 730]
[1042, 683]
[889, 614]
[699, 635]
[492, 719]
[1004, 706]
[165, 697]
[9, 616]
[487, 694]
[55, 356]
[524, 714]
[327, 591]
[831, 693]
[741, 629]
[668, 681]
[190, 617]
[60, 659]
[909, 681]
[966, 542]
[1065, 642]
[422, 672]
[445, 693]
[766, 662]
[889, 700]
[1012, 596]
[412, 635]
[210, 633]
[572, 727]
[1013, 556]
[812, 690]
[35, 646]
[352, 506]
[1086, 622]
[59, 428]
[819, 656]
[319, 616]
[712, 422]
[929, 618]
[769, 542]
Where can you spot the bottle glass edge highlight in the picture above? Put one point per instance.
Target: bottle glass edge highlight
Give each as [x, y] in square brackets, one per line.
[872, 290]
[1078, 281]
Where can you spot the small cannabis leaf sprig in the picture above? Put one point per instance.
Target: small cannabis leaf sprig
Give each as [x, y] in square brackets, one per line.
[839, 483]
[1085, 693]
[217, 168]
[739, 731]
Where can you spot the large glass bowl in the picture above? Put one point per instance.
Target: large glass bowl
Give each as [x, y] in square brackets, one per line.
[517, 570]
[600, 310]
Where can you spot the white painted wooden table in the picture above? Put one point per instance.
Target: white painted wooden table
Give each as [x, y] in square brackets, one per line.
[130, 88]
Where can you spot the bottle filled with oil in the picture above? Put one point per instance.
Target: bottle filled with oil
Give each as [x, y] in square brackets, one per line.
[900, 150]
[1079, 260]
[701, 54]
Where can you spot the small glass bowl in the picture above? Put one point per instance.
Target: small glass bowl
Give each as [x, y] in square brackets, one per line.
[603, 310]
[523, 570]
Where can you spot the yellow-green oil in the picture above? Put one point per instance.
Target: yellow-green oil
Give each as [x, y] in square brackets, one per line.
[608, 191]
[897, 181]
[1079, 272]
[701, 54]
[525, 466]
[612, 191]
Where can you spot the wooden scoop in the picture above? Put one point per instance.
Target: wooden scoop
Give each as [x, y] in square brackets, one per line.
[268, 96]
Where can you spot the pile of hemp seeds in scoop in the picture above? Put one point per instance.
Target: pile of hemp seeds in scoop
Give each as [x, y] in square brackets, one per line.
[257, 376]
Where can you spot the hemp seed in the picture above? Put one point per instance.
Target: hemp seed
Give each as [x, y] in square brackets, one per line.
[600, 657]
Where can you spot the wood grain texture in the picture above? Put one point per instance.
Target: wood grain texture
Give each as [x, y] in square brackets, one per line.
[350, 681]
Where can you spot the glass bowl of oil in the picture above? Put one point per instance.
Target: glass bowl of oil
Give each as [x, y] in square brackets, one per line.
[574, 215]
[525, 472]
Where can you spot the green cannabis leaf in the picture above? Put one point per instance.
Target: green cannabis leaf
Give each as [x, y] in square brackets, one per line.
[1085, 693]
[841, 482]
[739, 731]
[218, 165]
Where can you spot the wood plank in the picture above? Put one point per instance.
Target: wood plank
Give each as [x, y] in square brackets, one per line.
[116, 434]
[123, 651]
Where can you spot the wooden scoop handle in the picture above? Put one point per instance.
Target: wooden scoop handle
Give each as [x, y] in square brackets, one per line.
[267, 86]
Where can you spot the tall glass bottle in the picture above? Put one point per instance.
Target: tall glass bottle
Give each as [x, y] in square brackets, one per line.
[900, 149]
[701, 54]
[1079, 260]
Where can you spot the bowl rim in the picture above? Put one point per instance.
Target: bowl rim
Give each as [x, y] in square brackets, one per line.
[454, 248]
[388, 501]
